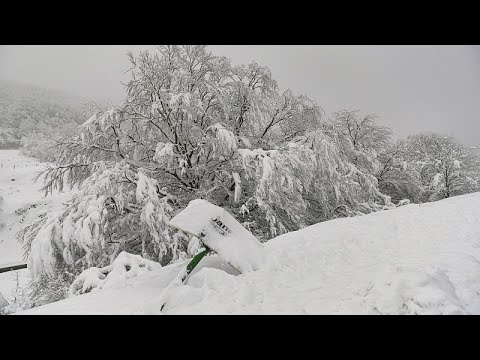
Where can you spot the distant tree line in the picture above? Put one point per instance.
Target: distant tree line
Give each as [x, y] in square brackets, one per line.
[32, 119]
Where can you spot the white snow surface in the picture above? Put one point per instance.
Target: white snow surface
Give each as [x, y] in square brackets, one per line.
[3, 301]
[415, 259]
[21, 202]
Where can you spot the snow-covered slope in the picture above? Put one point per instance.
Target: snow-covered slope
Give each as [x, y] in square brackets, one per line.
[416, 259]
[21, 202]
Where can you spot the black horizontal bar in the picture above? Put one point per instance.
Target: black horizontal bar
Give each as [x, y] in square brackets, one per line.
[14, 267]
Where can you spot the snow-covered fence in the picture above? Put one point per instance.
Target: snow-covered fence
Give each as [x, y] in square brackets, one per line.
[14, 166]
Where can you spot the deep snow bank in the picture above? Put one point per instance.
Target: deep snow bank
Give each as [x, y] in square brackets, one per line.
[416, 259]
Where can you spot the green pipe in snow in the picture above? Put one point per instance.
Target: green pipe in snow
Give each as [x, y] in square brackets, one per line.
[191, 265]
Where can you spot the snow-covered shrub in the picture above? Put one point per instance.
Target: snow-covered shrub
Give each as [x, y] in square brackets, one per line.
[107, 216]
[46, 289]
[125, 266]
[18, 298]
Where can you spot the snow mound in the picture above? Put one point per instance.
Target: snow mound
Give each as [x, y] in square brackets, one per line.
[125, 266]
[411, 292]
[211, 278]
[414, 259]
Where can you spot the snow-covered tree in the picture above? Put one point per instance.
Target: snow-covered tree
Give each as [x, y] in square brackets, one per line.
[396, 177]
[307, 181]
[443, 167]
[360, 138]
[194, 126]
[174, 138]
[362, 131]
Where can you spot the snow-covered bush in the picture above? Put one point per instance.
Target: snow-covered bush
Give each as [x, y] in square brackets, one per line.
[106, 217]
[125, 266]
[18, 298]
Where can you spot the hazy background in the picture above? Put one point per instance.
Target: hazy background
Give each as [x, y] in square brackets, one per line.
[411, 88]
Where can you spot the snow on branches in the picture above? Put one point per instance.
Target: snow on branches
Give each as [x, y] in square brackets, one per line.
[440, 166]
[308, 181]
[223, 141]
[116, 209]
[194, 126]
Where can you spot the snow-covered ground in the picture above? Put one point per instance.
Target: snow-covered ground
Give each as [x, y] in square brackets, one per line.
[20, 203]
[416, 259]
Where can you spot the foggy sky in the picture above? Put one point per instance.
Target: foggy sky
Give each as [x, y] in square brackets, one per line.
[411, 88]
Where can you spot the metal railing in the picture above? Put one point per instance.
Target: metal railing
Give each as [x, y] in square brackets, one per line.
[12, 268]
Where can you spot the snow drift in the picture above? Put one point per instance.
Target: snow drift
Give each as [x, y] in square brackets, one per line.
[416, 259]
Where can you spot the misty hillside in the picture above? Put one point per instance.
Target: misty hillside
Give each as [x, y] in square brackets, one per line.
[27, 110]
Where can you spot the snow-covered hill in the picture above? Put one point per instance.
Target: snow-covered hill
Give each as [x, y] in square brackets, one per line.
[29, 111]
[416, 259]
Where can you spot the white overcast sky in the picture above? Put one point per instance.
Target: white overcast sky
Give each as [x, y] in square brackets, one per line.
[411, 88]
